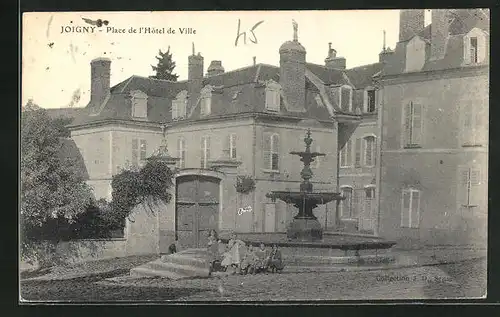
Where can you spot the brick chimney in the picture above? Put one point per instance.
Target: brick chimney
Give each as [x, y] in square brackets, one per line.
[195, 78]
[293, 74]
[411, 22]
[215, 68]
[332, 61]
[440, 29]
[100, 73]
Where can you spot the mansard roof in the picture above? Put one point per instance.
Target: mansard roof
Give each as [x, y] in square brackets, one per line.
[237, 91]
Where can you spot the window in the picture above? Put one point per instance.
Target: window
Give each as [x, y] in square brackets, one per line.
[273, 96]
[271, 151]
[139, 152]
[410, 209]
[469, 187]
[473, 129]
[179, 105]
[369, 101]
[181, 152]
[206, 100]
[346, 204]
[346, 155]
[369, 151]
[142, 155]
[135, 152]
[345, 100]
[412, 125]
[139, 104]
[369, 199]
[475, 46]
[473, 50]
[205, 151]
[358, 150]
[232, 146]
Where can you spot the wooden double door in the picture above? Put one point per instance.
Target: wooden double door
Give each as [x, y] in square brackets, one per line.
[196, 210]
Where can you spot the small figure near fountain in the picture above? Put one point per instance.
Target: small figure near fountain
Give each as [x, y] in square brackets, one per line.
[305, 226]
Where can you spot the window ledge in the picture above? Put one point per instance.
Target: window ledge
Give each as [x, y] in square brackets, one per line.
[265, 170]
[470, 206]
[412, 146]
[345, 167]
[471, 145]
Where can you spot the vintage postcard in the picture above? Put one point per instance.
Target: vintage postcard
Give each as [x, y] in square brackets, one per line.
[254, 156]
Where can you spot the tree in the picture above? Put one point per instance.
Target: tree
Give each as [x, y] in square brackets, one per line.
[52, 190]
[165, 67]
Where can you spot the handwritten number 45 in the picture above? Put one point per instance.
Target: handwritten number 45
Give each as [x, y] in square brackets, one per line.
[238, 34]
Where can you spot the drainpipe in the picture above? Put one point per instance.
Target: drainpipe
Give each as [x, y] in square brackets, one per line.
[379, 152]
[337, 189]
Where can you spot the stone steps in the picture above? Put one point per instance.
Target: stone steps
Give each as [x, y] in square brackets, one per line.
[185, 264]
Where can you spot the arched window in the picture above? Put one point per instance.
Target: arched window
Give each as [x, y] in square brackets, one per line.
[475, 47]
[369, 145]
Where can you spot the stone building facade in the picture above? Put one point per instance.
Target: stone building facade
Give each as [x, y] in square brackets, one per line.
[222, 125]
[434, 130]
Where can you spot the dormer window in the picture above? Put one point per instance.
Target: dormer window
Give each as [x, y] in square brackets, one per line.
[369, 100]
[179, 105]
[273, 96]
[139, 104]
[475, 47]
[206, 100]
[345, 98]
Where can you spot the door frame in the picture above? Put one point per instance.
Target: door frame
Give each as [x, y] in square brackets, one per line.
[198, 173]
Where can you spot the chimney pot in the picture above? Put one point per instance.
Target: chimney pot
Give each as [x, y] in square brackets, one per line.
[254, 61]
[215, 68]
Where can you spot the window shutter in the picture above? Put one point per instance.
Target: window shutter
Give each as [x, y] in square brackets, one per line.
[405, 209]
[481, 48]
[277, 100]
[183, 106]
[343, 156]
[365, 101]
[135, 152]
[143, 153]
[463, 187]
[358, 153]
[415, 209]
[267, 150]
[479, 128]
[407, 124]
[348, 155]
[208, 147]
[202, 153]
[275, 146]
[232, 145]
[467, 47]
[416, 130]
[475, 187]
[356, 206]
[369, 146]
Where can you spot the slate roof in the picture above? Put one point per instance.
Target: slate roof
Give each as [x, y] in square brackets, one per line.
[69, 151]
[238, 91]
[63, 112]
[463, 21]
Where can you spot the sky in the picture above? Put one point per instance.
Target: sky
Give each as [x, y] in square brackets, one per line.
[56, 64]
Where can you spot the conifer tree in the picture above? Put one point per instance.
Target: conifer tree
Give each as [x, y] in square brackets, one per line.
[165, 67]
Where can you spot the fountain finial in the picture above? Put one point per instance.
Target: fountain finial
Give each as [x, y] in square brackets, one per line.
[308, 140]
